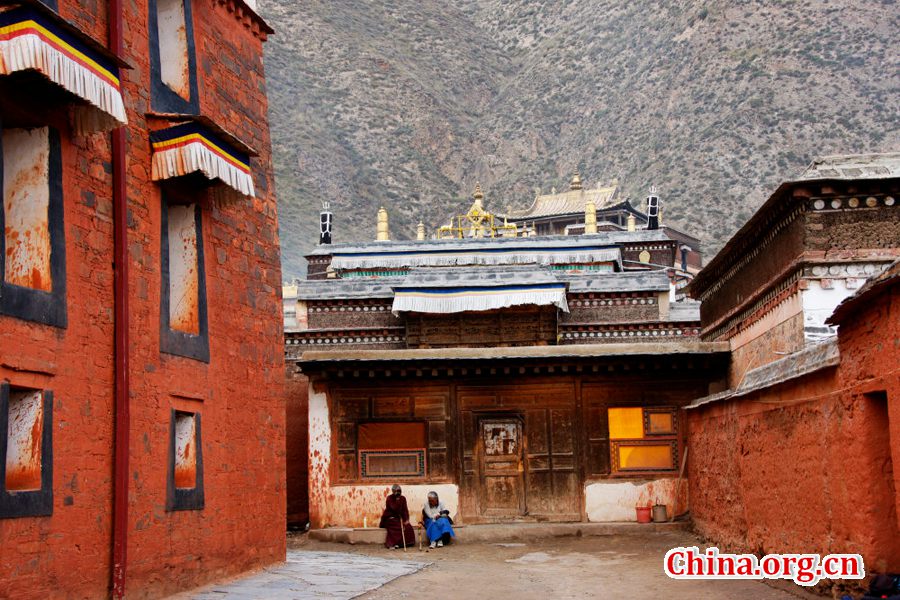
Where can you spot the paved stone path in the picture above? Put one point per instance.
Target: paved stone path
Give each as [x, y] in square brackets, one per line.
[314, 575]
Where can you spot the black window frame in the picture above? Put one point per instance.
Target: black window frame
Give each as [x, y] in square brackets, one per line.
[185, 498]
[29, 503]
[172, 341]
[164, 99]
[25, 303]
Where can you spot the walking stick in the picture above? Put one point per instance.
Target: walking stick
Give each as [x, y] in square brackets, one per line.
[403, 534]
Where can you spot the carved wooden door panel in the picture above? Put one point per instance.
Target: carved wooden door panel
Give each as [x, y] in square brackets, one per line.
[502, 469]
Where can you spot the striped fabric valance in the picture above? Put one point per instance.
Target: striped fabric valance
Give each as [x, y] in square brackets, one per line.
[461, 299]
[31, 41]
[482, 256]
[191, 147]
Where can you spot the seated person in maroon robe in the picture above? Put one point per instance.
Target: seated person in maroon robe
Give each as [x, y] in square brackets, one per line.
[395, 519]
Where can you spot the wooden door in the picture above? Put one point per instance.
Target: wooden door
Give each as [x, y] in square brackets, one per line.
[500, 450]
[554, 484]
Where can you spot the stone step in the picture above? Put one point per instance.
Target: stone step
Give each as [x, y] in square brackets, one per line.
[502, 532]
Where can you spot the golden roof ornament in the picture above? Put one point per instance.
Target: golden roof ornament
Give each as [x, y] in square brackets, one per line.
[575, 184]
[382, 231]
[477, 222]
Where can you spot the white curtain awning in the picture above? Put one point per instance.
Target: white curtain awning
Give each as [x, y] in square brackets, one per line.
[191, 147]
[462, 299]
[32, 40]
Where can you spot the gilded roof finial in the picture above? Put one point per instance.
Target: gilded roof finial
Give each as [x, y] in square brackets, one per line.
[478, 195]
[575, 184]
[382, 231]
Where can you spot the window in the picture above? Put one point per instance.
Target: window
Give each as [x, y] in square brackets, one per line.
[183, 321]
[172, 61]
[643, 439]
[391, 450]
[173, 47]
[185, 476]
[26, 452]
[32, 247]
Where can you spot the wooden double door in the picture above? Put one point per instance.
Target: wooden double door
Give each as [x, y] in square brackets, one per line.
[502, 467]
[522, 462]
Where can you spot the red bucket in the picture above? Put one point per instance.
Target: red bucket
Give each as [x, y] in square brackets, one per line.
[643, 514]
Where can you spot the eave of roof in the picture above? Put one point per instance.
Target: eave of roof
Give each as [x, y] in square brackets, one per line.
[347, 289]
[579, 351]
[628, 281]
[382, 287]
[604, 238]
[794, 366]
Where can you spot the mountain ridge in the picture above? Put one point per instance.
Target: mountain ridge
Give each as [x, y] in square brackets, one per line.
[407, 105]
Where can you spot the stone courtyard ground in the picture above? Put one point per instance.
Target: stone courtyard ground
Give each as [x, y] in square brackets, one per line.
[616, 566]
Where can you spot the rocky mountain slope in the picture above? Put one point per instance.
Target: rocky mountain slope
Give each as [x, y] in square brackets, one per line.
[407, 103]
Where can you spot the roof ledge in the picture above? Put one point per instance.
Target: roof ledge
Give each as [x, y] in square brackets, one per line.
[517, 352]
[794, 366]
[249, 17]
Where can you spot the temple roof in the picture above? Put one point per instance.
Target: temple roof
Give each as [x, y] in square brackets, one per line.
[350, 288]
[571, 201]
[487, 276]
[603, 238]
[853, 166]
[630, 281]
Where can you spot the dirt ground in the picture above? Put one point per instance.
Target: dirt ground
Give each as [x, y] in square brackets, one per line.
[558, 568]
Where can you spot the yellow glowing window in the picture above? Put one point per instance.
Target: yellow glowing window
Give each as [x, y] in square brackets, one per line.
[643, 439]
[633, 456]
[626, 423]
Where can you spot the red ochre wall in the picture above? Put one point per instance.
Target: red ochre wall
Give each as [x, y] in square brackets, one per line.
[239, 393]
[812, 465]
[71, 548]
[297, 394]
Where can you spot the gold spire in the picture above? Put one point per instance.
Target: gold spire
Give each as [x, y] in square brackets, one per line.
[382, 233]
[478, 195]
[420, 231]
[575, 184]
[631, 222]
